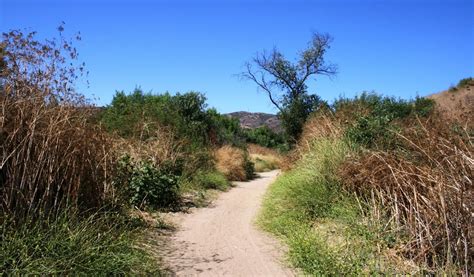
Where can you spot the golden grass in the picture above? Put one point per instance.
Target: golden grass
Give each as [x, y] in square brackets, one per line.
[457, 105]
[163, 148]
[52, 156]
[265, 159]
[425, 187]
[230, 161]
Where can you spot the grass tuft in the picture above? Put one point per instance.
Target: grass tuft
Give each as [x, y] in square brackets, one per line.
[212, 180]
[322, 225]
[102, 243]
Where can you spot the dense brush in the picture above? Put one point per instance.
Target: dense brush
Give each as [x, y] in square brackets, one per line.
[424, 187]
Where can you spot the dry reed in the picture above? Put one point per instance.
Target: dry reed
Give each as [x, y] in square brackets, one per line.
[425, 188]
[51, 156]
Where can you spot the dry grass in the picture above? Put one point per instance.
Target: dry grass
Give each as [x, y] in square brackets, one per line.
[265, 159]
[51, 155]
[230, 161]
[264, 163]
[425, 188]
[260, 150]
[321, 125]
[162, 148]
[458, 105]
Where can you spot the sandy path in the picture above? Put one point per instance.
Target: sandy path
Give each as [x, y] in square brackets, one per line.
[223, 241]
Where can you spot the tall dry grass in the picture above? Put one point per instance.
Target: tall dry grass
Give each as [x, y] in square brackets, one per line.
[231, 162]
[264, 158]
[51, 156]
[425, 188]
[321, 125]
[163, 147]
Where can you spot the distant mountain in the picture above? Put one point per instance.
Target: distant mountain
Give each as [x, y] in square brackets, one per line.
[250, 120]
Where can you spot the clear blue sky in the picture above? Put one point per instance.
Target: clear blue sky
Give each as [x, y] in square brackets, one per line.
[402, 48]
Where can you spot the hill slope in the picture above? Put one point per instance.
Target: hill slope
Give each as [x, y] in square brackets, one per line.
[254, 120]
[457, 103]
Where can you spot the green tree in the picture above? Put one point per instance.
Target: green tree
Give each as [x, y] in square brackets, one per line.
[139, 114]
[285, 82]
[264, 136]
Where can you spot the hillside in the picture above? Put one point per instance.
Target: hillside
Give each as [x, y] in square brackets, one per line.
[254, 120]
[456, 103]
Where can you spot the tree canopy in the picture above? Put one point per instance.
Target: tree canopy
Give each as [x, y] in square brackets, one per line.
[285, 82]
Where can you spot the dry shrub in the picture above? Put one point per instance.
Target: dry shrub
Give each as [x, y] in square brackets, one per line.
[264, 163]
[458, 105]
[260, 150]
[163, 147]
[231, 162]
[264, 158]
[426, 188]
[51, 156]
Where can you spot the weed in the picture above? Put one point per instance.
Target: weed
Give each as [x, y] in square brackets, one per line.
[102, 243]
[309, 197]
[147, 185]
[211, 180]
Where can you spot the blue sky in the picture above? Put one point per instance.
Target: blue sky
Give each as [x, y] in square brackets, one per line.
[399, 48]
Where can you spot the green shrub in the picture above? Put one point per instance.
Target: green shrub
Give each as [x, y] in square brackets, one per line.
[264, 136]
[103, 243]
[371, 131]
[376, 121]
[466, 81]
[146, 185]
[423, 106]
[211, 180]
[249, 167]
[139, 114]
[225, 129]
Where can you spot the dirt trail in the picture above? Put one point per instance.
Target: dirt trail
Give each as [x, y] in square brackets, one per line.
[222, 240]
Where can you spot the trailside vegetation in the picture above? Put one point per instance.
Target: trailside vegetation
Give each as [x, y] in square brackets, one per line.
[377, 185]
[71, 174]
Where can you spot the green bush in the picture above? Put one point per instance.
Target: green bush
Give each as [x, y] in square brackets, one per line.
[138, 114]
[466, 81]
[225, 129]
[211, 180]
[376, 117]
[423, 106]
[101, 244]
[146, 185]
[249, 167]
[264, 136]
[371, 131]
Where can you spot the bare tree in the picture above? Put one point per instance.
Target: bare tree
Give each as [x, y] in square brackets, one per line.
[285, 82]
